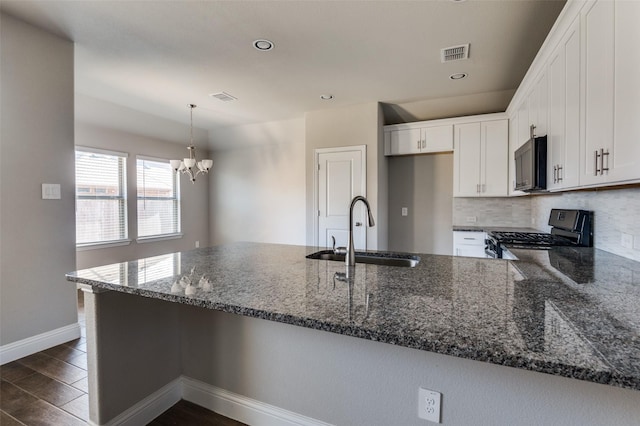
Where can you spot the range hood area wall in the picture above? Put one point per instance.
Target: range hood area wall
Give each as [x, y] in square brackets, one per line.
[615, 213]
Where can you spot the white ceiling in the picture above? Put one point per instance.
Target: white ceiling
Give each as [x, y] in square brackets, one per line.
[158, 56]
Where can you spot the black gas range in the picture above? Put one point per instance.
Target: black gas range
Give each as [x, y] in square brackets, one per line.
[569, 228]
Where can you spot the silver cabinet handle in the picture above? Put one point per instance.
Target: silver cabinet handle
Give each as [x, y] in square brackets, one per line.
[478, 188]
[424, 143]
[555, 171]
[419, 143]
[358, 223]
[603, 154]
[597, 170]
[560, 174]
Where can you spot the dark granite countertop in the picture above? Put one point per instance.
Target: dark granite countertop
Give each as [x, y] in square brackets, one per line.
[571, 312]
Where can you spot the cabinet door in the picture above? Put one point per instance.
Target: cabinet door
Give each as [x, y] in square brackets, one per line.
[563, 137]
[494, 162]
[557, 107]
[542, 99]
[513, 145]
[570, 169]
[466, 164]
[438, 138]
[523, 123]
[405, 141]
[598, 21]
[624, 162]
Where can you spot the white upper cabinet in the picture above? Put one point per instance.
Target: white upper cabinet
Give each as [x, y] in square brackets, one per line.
[418, 138]
[599, 41]
[611, 151]
[590, 65]
[563, 133]
[625, 162]
[480, 159]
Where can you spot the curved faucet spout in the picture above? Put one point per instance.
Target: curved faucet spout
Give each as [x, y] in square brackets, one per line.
[350, 258]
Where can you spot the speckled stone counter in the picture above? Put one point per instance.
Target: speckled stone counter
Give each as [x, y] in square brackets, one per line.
[568, 312]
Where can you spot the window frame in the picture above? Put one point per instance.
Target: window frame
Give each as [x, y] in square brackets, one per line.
[124, 232]
[177, 198]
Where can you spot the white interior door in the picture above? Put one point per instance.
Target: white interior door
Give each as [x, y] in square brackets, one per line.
[341, 176]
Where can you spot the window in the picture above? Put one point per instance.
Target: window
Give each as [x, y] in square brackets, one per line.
[158, 199]
[101, 197]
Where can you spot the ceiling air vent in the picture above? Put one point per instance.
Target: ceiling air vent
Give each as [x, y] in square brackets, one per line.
[223, 96]
[454, 53]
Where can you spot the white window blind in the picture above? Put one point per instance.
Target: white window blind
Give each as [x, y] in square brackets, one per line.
[158, 198]
[101, 197]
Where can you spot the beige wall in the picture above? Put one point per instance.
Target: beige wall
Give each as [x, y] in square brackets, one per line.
[194, 197]
[37, 245]
[348, 126]
[349, 381]
[258, 191]
[424, 185]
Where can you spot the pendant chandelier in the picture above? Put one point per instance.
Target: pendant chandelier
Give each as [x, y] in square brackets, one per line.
[191, 166]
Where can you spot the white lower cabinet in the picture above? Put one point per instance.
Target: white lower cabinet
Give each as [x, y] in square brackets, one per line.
[469, 243]
[481, 159]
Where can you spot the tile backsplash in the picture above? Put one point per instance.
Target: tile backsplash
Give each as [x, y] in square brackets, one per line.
[616, 211]
[511, 212]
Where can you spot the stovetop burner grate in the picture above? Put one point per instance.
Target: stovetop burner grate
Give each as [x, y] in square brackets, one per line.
[531, 239]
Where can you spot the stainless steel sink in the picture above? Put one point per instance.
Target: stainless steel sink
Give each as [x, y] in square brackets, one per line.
[386, 259]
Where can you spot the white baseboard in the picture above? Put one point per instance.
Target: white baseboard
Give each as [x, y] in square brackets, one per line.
[151, 407]
[40, 342]
[241, 408]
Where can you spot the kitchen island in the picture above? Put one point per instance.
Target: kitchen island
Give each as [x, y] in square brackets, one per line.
[532, 314]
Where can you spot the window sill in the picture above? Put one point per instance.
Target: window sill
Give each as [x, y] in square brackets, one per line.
[153, 239]
[97, 246]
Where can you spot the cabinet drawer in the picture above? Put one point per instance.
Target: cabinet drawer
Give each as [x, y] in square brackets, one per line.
[468, 238]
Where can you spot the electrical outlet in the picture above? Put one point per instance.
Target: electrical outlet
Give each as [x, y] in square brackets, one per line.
[197, 244]
[429, 405]
[405, 211]
[472, 219]
[627, 240]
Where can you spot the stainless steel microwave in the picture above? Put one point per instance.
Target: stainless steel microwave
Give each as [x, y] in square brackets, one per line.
[531, 165]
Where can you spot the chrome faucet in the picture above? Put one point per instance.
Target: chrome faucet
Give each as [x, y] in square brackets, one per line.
[350, 258]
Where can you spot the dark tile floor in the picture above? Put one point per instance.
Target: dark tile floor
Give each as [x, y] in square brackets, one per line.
[50, 388]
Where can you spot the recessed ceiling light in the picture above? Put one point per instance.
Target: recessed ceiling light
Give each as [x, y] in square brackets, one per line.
[326, 97]
[458, 76]
[263, 44]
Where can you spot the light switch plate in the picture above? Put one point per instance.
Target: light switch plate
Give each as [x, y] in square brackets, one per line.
[50, 191]
[405, 211]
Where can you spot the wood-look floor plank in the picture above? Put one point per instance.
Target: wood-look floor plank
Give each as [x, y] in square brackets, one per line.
[186, 413]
